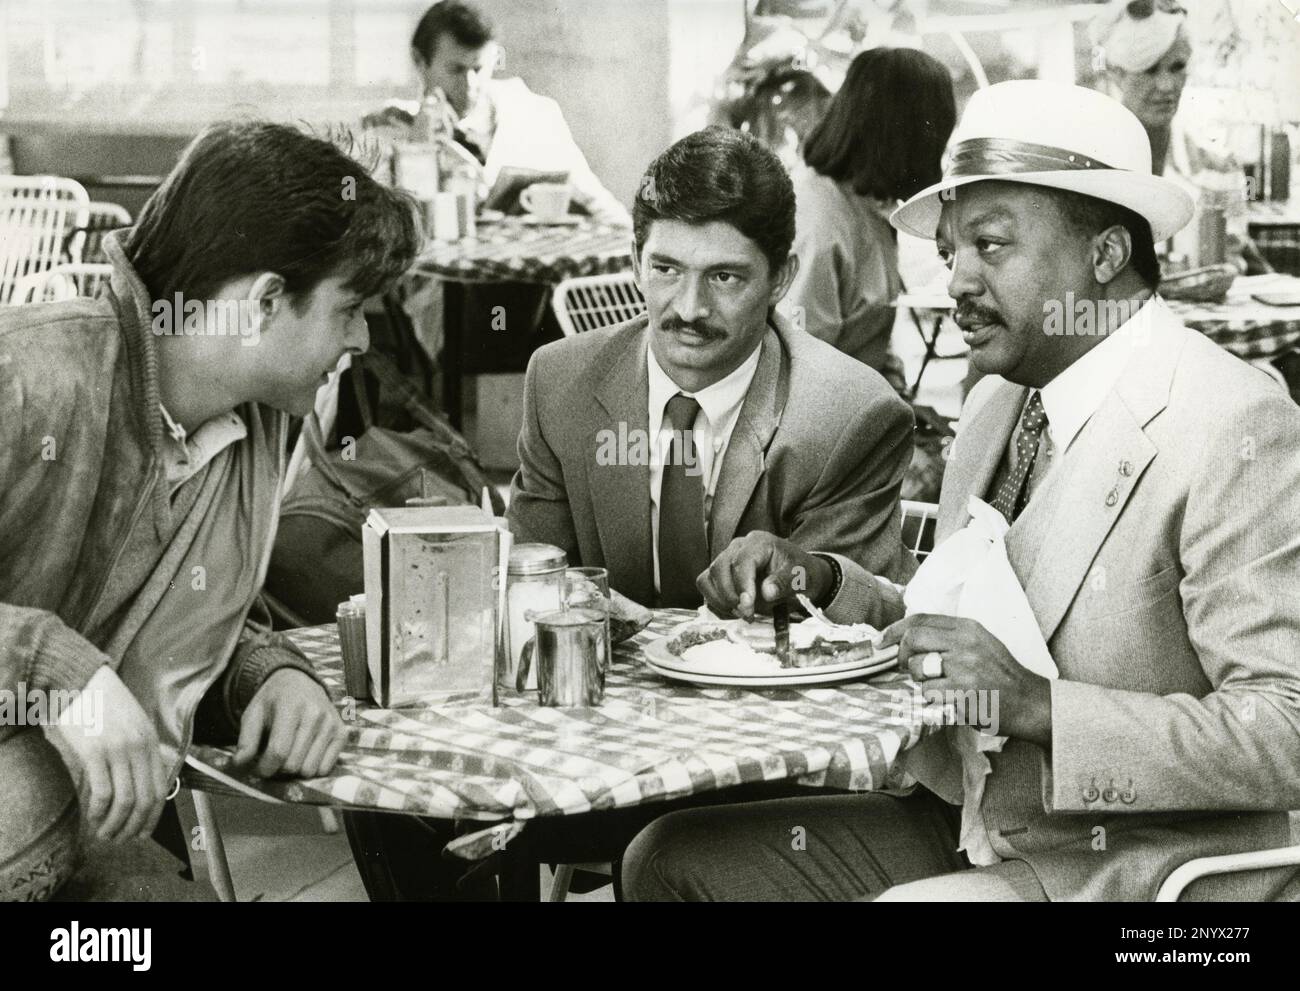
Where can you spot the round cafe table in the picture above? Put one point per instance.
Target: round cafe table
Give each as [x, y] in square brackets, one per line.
[651, 740]
[514, 249]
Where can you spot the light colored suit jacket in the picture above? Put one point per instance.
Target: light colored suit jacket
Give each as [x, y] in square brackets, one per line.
[531, 133]
[817, 455]
[1161, 559]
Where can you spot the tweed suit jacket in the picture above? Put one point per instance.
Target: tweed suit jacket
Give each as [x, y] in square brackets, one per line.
[817, 455]
[1161, 558]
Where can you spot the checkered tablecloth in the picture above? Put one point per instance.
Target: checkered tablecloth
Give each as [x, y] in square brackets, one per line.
[651, 740]
[1244, 326]
[510, 250]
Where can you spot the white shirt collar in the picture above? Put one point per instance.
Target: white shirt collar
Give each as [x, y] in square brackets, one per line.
[720, 401]
[1076, 393]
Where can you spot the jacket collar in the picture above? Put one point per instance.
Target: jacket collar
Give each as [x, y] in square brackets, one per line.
[1105, 464]
[132, 303]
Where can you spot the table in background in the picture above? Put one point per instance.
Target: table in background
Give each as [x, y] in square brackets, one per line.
[512, 249]
[1249, 329]
[1275, 228]
[651, 740]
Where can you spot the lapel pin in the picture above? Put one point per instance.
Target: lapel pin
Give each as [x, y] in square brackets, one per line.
[1126, 468]
[1112, 496]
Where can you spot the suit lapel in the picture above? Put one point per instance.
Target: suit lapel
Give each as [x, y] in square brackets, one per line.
[620, 493]
[1098, 475]
[977, 452]
[743, 462]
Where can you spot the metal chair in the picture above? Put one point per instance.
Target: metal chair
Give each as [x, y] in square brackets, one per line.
[919, 521]
[935, 305]
[1232, 863]
[104, 217]
[42, 223]
[213, 844]
[594, 301]
[65, 281]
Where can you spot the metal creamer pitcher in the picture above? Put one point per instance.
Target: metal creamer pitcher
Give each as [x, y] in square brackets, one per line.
[569, 651]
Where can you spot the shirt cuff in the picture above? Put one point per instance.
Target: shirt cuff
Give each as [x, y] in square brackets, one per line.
[862, 597]
[64, 659]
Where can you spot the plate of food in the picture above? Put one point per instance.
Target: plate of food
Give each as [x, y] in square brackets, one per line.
[712, 651]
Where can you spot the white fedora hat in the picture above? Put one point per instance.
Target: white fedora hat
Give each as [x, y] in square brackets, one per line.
[1054, 135]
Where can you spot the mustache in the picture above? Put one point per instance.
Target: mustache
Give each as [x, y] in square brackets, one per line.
[972, 313]
[706, 330]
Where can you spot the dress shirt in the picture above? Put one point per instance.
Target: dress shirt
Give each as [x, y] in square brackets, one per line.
[720, 405]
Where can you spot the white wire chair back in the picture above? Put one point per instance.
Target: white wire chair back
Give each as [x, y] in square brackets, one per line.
[594, 301]
[919, 521]
[104, 217]
[65, 281]
[42, 223]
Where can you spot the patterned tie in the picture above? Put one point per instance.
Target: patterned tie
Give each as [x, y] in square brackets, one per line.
[1011, 497]
[683, 547]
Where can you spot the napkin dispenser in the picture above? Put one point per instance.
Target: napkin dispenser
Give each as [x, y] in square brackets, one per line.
[431, 602]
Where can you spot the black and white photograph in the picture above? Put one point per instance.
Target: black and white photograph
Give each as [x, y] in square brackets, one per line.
[748, 451]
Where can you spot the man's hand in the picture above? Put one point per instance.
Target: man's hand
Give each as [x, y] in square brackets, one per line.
[972, 658]
[116, 764]
[759, 570]
[294, 718]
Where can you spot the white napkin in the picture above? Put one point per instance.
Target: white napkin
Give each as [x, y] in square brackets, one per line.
[969, 576]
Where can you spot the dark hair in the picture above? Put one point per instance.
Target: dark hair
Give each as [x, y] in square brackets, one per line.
[720, 174]
[463, 21]
[259, 197]
[1091, 216]
[886, 128]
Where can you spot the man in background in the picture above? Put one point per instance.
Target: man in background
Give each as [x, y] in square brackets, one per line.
[502, 122]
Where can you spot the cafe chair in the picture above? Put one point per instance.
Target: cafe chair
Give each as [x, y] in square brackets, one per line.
[594, 301]
[42, 222]
[66, 281]
[207, 830]
[919, 521]
[1232, 863]
[104, 217]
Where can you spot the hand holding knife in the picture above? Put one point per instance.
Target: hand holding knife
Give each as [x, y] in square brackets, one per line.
[781, 624]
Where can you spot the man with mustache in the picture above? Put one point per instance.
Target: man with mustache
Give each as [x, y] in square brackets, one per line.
[1151, 484]
[647, 448]
[142, 454]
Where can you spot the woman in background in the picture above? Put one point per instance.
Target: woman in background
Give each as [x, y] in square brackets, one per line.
[1145, 51]
[880, 142]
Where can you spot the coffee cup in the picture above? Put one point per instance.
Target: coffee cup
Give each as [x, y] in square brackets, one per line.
[546, 200]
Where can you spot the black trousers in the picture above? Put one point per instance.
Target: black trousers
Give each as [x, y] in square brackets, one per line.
[400, 857]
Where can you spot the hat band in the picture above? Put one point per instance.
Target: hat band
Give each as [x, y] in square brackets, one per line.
[1005, 156]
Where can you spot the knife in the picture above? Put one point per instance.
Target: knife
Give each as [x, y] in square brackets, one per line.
[781, 623]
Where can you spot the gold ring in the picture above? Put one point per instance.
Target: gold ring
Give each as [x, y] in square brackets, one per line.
[932, 665]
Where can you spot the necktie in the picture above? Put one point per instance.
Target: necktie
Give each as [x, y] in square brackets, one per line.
[1010, 499]
[683, 546]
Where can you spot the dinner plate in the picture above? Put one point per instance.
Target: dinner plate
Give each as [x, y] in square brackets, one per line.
[661, 661]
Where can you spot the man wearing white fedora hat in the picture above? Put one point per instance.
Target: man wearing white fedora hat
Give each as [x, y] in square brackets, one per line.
[1151, 486]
